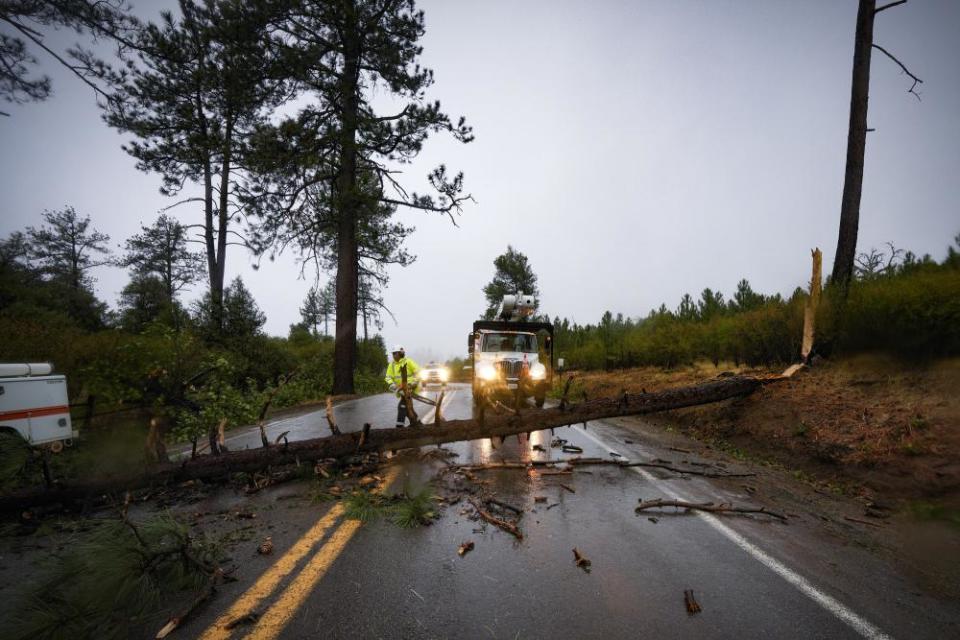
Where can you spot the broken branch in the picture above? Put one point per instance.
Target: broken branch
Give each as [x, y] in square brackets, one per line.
[509, 527]
[706, 506]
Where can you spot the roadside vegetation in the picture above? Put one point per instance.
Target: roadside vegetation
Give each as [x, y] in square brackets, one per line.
[898, 303]
[154, 356]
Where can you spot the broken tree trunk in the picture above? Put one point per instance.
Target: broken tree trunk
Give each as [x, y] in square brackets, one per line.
[335, 446]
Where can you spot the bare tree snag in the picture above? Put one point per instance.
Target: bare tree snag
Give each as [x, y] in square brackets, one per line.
[857, 138]
[856, 147]
[346, 444]
[810, 308]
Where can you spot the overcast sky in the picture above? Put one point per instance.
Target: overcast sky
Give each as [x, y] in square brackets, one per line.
[634, 151]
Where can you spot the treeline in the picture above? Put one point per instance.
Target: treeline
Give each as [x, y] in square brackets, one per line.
[897, 302]
[188, 364]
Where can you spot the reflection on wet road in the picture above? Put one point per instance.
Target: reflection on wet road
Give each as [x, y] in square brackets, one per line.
[753, 578]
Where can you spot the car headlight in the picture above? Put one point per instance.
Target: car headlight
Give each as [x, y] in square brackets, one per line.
[444, 374]
[486, 371]
[538, 371]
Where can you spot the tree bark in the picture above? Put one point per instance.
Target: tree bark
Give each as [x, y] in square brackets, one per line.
[211, 467]
[856, 147]
[345, 344]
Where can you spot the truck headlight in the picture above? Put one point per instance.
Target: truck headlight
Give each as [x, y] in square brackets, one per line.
[486, 371]
[444, 374]
[538, 371]
[423, 374]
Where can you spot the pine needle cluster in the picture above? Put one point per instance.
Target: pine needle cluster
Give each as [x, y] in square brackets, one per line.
[113, 579]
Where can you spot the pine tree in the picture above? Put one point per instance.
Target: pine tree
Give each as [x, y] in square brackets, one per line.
[203, 82]
[32, 21]
[335, 162]
[745, 298]
[142, 301]
[66, 248]
[513, 275]
[161, 251]
[310, 310]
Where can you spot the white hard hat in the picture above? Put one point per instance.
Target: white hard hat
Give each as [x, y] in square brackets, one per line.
[398, 347]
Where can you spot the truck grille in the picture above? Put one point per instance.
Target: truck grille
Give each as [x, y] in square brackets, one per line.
[510, 368]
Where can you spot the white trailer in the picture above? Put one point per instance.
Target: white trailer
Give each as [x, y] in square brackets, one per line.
[34, 405]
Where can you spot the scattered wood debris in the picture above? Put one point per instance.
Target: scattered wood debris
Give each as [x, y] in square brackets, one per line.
[568, 488]
[581, 560]
[539, 498]
[540, 448]
[266, 547]
[571, 448]
[509, 527]
[707, 506]
[692, 605]
[465, 548]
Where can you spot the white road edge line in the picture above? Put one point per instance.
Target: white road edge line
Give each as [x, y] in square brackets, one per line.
[856, 622]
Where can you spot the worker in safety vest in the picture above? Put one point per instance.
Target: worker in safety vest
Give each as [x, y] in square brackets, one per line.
[395, 380]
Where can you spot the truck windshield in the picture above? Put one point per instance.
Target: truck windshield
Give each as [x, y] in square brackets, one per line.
[523, 342]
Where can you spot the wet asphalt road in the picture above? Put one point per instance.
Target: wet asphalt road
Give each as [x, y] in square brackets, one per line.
[753, 578]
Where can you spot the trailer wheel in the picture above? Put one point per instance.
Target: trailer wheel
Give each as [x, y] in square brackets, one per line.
[56, 446]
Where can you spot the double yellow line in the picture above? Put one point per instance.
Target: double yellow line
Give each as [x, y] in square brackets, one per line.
[278, 615]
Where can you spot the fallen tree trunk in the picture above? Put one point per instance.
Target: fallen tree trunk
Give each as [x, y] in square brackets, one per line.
[336, 446]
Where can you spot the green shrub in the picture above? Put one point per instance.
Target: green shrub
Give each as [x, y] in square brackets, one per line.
[913, 315]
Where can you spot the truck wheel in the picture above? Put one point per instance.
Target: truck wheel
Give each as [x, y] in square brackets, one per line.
[540, 400]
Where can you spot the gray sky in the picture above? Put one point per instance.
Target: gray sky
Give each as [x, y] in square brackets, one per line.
[634, 151]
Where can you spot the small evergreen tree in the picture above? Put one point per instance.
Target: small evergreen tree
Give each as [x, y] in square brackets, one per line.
[66, 248]
[161, 251]
[513, 275]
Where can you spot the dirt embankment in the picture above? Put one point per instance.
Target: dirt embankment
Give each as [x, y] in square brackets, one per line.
[867, 424]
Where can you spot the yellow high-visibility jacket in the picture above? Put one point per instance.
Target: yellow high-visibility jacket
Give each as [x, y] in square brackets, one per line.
[394, 376]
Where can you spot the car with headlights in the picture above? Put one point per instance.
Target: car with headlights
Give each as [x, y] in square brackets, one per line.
[434, 374]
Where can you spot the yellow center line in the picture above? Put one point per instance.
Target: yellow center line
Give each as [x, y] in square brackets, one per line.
[271, 624]
[267, 582]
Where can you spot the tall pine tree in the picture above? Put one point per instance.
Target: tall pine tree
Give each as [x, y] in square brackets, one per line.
[203, 82]
[341, 152]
